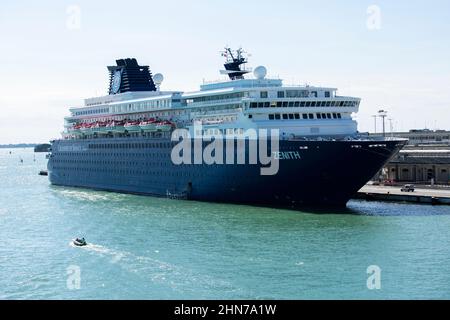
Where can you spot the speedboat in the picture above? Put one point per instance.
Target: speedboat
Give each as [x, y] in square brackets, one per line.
[79, 242]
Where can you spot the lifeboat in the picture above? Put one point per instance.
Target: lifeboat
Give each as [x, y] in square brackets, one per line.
[148, 125]
[85, 128]
[132, 126]
[99, 128]
[164, 126]
[115, 126]
[74, 130]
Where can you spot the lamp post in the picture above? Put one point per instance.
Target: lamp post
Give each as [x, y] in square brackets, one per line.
[383, 114]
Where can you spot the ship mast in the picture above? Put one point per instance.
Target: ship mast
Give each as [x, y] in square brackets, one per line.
[233, 62]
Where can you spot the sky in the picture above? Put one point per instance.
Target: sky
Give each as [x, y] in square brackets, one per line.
[394, 55]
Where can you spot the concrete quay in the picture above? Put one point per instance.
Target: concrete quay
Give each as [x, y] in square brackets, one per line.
[435, 196]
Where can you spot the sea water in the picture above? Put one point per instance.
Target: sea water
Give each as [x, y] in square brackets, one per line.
[153, 248]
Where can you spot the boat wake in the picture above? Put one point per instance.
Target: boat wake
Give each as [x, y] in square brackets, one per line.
[179, 278]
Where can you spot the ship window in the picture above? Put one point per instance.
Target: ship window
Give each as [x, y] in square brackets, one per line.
[297, 103]
[329, 115]
[311, 115]
[277, 116]
[314, 94]
[250, 116]
[279, 104]
[271, 117]
[324, 115]
[291, 116]
[297, 116]
[308, 104]
[305, 116]
[302, 104]
[334, 116]
[285, 116]
[323, 103]
[260, 104]
[253, 105]
[263, 94]
[327, 94]
[291, 104]
[280, 94]
[319, 116]
[328, 103]
[339, 116]
[285, 104]
[313, 103]
[266, 104]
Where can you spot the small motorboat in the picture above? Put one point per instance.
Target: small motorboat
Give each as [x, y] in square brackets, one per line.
[79, 242]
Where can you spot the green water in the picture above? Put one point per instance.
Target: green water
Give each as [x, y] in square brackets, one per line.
[150, 248]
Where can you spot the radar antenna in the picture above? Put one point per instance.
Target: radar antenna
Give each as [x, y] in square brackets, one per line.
[233, 62]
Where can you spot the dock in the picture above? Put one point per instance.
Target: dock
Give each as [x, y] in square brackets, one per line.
[434, 196]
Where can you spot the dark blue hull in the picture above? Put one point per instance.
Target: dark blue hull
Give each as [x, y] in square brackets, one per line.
[328, 173]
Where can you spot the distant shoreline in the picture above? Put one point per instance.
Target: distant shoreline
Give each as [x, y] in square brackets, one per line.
[18, 145]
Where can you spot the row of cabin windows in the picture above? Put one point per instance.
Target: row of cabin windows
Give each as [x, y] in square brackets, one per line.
[292, 104]
[296, 94]
[217, 97]
[234, 131]
[297, 116]
[92, 111]
[130, 145]
[300, 94]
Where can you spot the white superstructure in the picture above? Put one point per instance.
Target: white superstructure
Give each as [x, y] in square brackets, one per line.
[226, 106]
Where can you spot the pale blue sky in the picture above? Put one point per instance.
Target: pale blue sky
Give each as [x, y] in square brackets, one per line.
[47, 67]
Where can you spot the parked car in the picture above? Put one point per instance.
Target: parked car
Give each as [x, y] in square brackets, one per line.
[408, 188]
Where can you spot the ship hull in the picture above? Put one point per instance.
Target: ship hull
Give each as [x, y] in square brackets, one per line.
[322, 173]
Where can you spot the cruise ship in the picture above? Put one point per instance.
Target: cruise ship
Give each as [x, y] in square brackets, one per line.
[126, 141]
